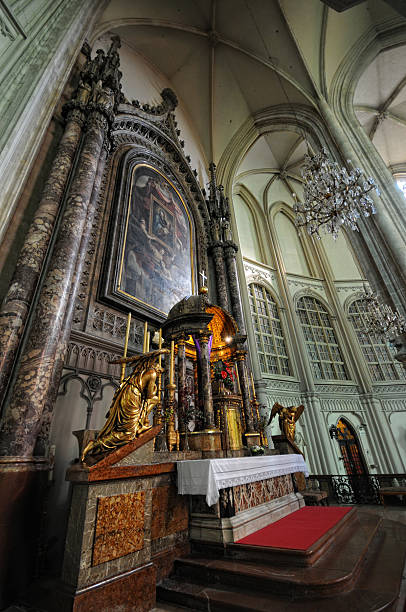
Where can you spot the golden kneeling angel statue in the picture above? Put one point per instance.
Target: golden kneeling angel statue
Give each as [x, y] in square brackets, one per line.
[132, 403]
[287, 418]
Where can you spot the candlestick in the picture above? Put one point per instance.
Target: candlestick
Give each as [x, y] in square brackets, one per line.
[160, 346]
[147, 342]
[144, 345]
[253, 387]
[238, 379]
[172, 363]
[127, 334]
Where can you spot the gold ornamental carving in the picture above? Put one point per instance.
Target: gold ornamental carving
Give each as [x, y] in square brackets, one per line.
[128, 416]
[287, 418]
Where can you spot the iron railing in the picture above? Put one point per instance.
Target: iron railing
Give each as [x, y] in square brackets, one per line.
[355, 489]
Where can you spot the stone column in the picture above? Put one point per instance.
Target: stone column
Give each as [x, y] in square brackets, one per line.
[43, 437]
[181, 388]
[383, 238]
[221, 280]
[243, 377]
[230, 250]
[16, 304]
[207, 399]
[22, 417]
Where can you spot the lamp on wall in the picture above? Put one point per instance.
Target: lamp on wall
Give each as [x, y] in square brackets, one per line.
[379, 318]
[333, 431]
[332, 196]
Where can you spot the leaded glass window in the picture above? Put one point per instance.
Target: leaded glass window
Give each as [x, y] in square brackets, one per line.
[377, 353]
[321, 343]
[272, 353]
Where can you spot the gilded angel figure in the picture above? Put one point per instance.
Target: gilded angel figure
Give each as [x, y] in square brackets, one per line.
[287, 418]
[128, 416]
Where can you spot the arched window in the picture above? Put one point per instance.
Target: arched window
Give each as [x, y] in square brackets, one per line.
[376, 352]
[401, 183]
[272, 353]
[321, 343]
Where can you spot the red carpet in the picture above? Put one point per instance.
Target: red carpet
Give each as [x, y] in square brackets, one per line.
[298, 530]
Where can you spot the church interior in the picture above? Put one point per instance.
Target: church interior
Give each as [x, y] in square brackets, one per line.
[203, 301]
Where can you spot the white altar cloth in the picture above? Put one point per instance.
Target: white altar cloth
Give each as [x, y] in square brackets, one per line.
[207, 476]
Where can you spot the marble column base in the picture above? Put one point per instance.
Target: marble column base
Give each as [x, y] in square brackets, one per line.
[228, 530]
[23, 482]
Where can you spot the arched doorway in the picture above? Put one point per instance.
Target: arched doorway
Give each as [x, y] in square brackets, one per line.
[357, 487]
[350, 449]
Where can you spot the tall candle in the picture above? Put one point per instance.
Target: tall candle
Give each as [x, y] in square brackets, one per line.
[160, 346]
[253, 387]
[127, 335]
[147, 342]
[172, 363]
[144, 345]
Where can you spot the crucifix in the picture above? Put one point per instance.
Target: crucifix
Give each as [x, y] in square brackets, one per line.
[204, 277]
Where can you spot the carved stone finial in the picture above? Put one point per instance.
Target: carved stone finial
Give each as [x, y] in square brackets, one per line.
[169, 98]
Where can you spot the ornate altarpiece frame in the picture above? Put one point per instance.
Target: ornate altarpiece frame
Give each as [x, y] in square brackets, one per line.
[146, 142]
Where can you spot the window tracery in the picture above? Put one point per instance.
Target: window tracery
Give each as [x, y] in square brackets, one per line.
[322, 346]
[376, 351]
[272, 352]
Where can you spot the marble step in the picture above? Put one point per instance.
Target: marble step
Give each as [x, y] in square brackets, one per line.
[376, 590]
[333, 573]
[280, 556]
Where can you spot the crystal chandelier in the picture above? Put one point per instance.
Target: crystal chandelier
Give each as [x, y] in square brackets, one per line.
[332, 196]
[380, 318]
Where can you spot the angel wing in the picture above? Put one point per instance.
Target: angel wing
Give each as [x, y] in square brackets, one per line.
[276, 408]
[299, 411]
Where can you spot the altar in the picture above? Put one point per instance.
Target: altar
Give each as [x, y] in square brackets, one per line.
[232, 498]
[206, 477]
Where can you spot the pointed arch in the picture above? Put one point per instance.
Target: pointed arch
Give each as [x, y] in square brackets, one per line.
[253, 230]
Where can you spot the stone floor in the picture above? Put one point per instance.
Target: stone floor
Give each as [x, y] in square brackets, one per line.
[393, 513]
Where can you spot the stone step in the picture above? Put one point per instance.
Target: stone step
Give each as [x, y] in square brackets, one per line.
[333, 573]
[284, 556]
[244, 587]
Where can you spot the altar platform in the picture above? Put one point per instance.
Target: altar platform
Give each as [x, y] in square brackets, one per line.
[232, 498]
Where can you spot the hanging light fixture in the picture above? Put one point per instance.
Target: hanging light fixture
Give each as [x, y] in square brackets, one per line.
[332, 196]
[380, 319]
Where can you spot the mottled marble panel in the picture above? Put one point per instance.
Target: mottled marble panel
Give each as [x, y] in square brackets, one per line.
[132, 592]
[119, 526]
[169, 512]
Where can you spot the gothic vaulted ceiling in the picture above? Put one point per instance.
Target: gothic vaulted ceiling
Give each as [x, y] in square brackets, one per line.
[228, 60]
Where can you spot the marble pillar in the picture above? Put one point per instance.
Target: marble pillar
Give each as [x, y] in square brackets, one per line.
[41, 447]
[230, 250]
[16, 304]
[22, 417]
[243, 378]
[181, 387]
[221, 279]
[207, 399]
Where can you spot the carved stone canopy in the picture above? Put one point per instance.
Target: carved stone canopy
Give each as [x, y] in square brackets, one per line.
[187, 317]
[194, 316]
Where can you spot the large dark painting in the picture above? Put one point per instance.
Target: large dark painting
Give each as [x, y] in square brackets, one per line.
[156, 258]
